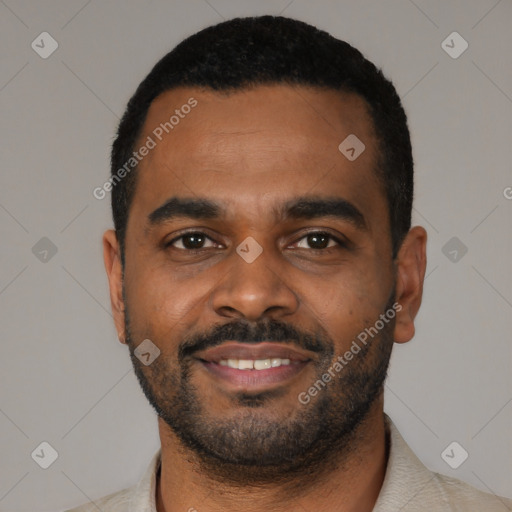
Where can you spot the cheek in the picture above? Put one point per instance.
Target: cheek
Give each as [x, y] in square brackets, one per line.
[157, 301]
[345, 292]
[346, 304]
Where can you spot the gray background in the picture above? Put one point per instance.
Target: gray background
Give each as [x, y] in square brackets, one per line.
[66, 380]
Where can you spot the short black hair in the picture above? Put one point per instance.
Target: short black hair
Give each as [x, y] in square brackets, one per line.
[245, 52]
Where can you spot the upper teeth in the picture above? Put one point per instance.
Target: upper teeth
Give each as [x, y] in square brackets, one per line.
[254, 364]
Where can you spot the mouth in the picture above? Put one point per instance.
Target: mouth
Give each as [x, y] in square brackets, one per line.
[254, 367]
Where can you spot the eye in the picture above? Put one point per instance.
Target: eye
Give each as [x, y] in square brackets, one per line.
[191, 241]
[318, 240]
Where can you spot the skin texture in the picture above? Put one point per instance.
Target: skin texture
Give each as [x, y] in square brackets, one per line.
[252, 151]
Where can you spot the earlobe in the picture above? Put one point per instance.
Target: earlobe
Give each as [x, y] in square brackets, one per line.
[411, 265]
[113, 267]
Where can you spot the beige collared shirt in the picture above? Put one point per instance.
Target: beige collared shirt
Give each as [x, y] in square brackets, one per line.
[408, 487]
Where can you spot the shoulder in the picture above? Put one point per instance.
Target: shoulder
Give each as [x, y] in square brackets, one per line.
[462, 496]
[137, 498]
[115, 502]
[410, 486]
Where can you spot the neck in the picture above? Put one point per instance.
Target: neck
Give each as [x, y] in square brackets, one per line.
[350, 486]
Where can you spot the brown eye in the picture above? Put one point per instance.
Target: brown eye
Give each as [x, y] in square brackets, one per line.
[318, 241]
[190, 241]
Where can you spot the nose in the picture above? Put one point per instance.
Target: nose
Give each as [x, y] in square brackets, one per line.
[254, 289]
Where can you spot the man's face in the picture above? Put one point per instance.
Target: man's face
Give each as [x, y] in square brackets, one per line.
[267, 162]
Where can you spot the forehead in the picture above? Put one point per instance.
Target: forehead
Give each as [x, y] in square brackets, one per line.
[253, 148]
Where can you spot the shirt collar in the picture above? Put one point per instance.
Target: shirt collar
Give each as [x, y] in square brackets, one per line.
[144, 494]
[405, 477]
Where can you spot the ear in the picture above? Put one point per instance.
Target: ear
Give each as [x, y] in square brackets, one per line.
[411, 264]
[113, 266]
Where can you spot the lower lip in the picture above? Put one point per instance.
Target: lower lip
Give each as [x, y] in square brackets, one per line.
[255, 379]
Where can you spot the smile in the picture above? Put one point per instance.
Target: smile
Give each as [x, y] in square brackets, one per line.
[254, 366]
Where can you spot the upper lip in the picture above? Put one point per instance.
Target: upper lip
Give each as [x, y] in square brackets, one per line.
[261, 350]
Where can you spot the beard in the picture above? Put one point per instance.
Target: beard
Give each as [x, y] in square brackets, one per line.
[254, 444]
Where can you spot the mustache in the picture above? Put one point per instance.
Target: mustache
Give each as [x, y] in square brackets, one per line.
[245, 332]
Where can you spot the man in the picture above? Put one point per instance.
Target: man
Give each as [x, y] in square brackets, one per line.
[261, 267]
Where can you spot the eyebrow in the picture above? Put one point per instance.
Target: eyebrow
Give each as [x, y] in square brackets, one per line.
[314, 208]
[305, 207]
